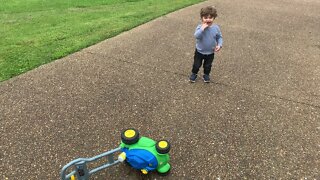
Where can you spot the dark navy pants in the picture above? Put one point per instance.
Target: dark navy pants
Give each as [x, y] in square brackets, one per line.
[207, 62]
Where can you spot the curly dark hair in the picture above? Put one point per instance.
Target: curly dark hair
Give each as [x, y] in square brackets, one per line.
[208, 11]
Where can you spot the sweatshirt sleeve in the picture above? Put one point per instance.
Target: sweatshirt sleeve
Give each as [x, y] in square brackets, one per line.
[198, 33]
[219, 37]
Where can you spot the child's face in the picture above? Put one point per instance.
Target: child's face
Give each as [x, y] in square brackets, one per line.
[207, 19]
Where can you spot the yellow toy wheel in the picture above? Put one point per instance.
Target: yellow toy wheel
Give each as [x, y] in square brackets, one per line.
[163, 147]
[130, 136]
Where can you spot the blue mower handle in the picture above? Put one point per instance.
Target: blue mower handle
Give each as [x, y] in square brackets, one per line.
[81, 172]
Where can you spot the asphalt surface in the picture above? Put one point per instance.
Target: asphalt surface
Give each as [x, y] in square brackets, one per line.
[258, 119]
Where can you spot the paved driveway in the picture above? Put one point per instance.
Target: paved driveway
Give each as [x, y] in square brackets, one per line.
[259, 119]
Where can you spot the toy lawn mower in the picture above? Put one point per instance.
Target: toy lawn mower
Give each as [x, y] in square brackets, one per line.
[141, 153]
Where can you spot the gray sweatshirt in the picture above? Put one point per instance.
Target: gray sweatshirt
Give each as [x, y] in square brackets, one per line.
[208, 39]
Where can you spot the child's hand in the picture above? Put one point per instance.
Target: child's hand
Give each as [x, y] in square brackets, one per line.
[204, 26]
[217, 48]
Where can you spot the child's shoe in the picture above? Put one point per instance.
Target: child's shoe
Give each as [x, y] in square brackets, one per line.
[206, 78]
[193, 77]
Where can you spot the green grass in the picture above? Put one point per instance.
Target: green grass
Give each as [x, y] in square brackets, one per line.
[36, 32]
